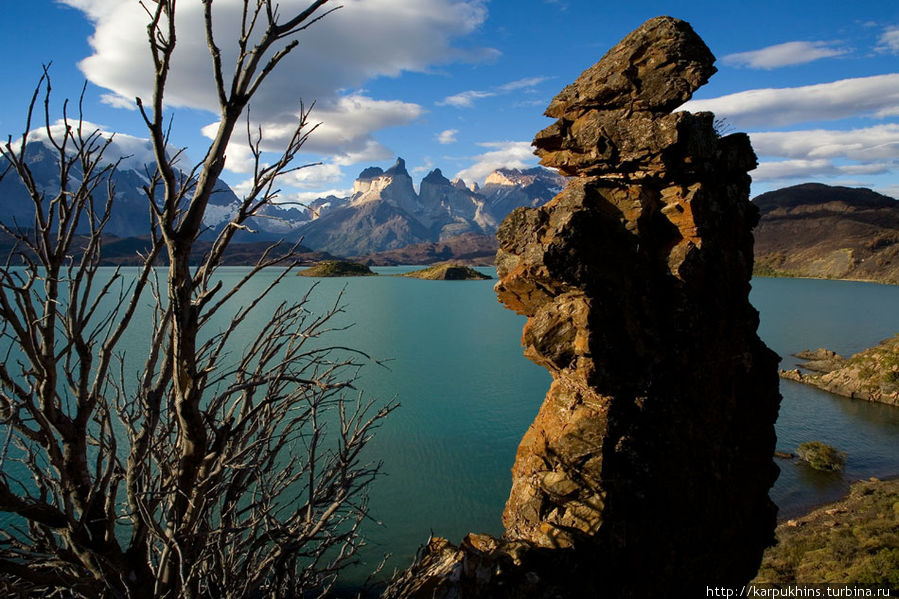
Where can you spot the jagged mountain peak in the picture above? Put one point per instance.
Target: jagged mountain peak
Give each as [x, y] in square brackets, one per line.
[398, 168]
[435, 177]
[386, 212]
[371, 173]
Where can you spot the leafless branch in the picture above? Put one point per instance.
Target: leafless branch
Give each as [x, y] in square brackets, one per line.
[234, 464]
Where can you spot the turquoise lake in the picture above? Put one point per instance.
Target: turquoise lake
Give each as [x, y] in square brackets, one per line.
[467, 395]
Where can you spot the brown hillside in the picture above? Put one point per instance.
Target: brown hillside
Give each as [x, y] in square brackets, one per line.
[815, 230]
[468, 248]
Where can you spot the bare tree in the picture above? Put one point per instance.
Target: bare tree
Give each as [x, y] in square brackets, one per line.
[228, 468]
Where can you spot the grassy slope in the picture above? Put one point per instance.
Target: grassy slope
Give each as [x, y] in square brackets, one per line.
[853, 541]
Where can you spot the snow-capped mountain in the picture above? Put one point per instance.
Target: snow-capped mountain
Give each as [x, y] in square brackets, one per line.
[385, 212]
[130, 213]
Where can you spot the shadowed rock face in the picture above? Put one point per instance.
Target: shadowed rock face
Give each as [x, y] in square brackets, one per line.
[648, 466]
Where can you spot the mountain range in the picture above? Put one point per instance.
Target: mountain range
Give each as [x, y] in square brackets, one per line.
[384, 211]
[809, 230]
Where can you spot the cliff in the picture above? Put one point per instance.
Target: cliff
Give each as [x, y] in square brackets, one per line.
[872, 374]
[820, 231]
[647, 469]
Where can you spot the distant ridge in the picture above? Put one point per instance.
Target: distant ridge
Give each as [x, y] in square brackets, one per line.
[822, 231]
[469, 248]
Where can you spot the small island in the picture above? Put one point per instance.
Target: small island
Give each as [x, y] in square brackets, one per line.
[337, 268]
[872, 374]
[447, 272]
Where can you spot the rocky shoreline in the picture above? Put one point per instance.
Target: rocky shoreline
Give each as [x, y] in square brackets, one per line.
[872, 375]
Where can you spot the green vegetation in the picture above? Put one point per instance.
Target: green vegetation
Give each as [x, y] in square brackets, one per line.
[447, 272]
[821, 456]
[853, 542]
[766, 270]
[337, 268]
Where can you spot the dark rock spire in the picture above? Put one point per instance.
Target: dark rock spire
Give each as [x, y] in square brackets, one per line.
[646, 472]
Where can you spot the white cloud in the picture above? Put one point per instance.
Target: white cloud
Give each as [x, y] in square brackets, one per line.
[131, 153]
[314, 176]
[117, 101]
[345, 131]
[359, 42]
[876, 96]
[889, 40]
[304, 197]
[448, 136]
[527, 82]
[827, 153]
[466, 99]
[501, 154]
[870, 143]
[805, 169]
[782, 55]
[426, 167]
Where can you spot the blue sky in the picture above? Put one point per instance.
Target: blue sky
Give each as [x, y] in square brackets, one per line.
[462, 84]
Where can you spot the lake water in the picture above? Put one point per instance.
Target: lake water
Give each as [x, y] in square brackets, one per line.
[467, 394]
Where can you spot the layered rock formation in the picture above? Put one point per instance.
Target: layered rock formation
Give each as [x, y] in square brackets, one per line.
[647, 469]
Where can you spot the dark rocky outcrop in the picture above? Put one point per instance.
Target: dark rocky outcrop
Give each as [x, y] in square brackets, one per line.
[646, 472]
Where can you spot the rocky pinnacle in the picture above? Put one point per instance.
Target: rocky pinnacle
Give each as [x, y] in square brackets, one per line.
[647, 469]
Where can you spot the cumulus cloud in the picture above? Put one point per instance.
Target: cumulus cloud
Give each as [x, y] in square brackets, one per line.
[304, 197]
[359, 42]
[314, 176]
[876, 96]
[467, 98]
[344, 131]
[500, 154]
[889, 40]
[782, 55]
[824, 152]
[448, 136]
[128, 151]
[870, 143]
[805, 169]
[424, 168]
